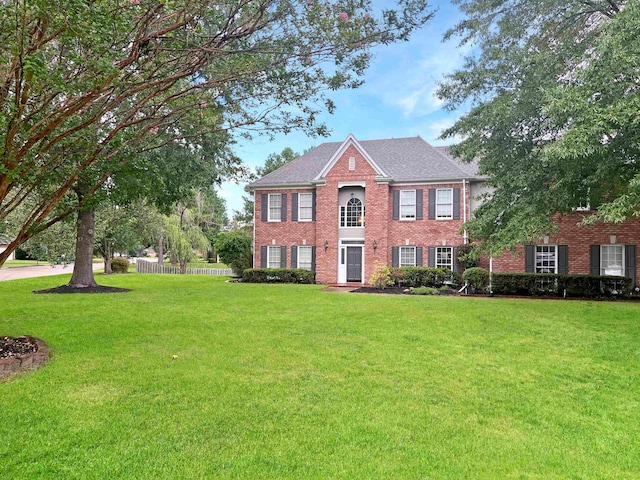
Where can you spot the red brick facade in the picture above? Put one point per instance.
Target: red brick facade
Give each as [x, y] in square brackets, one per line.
[379, 225]
[385, 233]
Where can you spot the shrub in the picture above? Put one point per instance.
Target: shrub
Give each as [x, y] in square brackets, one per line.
[278, 275]
[381, 277]
[467, 256]
[424, 291]
[421, 276]
[477, 277]
[235, 250]
[119, 265]
[549, 284]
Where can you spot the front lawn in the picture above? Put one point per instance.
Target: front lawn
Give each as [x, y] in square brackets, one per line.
[285, 381]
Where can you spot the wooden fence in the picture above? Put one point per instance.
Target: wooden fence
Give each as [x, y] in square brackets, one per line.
[142, 266]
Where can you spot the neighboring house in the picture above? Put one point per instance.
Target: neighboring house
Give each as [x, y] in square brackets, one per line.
[343, 206]
[4, 244]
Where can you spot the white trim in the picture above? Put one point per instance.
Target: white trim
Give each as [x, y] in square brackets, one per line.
[279, 248]
[555, 259]
[624, 266]
[342, 272]
[415, 205]
[269, 219]
[415, 255]
[448, 217]
[301, 186]
[465, 234]
[300, 204]
[350, 140]
[435, 260]
[436, 181]
[352, 184]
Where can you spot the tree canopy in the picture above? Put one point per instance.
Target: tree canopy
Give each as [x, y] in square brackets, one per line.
[553, 93]
[85, 86]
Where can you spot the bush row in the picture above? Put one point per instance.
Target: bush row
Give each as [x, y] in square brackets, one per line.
[423, 277]
[278, 275]
[547, 284]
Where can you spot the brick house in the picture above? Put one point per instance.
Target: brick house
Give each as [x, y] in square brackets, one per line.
[345, 205]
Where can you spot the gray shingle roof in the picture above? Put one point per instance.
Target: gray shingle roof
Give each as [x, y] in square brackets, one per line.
[402, 159]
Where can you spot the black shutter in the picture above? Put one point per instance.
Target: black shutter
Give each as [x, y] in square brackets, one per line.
[283, 257]
[395, 256]
[263, 257]
[396, 204]
[264, 207]
[418, 256]
[594, 260]
[454, 260]
[313, 207]
[283, 210]
[294, 207]
[419, 204]
[529, 258]
[456, 204]
[294, 257]
[432, 256]
[563, 259]
[432, 204]
[313, 259]
[630, 263]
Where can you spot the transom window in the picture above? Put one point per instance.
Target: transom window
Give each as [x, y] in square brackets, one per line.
[305, 257]
[275, 207]
[546, 259]
[273, 257]
[444, 257]
[305, 207]
[407, 256]
[444, 203]
[407, 204]
[352, 215]
[612, 260]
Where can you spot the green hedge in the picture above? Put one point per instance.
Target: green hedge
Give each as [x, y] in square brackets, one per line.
[278, 275]
[548, 284]
[423, 277]
[119, 265]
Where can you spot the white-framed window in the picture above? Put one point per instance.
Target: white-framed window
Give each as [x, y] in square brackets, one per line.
[352, 163]
[305, 207]
[407, 256]
[444, 257]
[612, 260]
[352, 214]
[275, 207]
[444, 203]
[305, 257]
[546, 259]
[273, 256]
[407, 204]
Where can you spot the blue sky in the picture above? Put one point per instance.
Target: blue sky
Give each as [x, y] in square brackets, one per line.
[397, 99]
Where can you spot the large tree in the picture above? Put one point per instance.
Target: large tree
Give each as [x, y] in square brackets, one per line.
[552, 87]
[83, 84]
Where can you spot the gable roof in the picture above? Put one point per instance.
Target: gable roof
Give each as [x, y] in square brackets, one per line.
[400, 159]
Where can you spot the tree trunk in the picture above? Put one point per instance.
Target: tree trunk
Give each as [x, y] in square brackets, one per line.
[107, 264]
[183, 268]
[83, 268]
[161, 250]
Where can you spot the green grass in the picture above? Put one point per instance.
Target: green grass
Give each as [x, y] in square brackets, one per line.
[22, 263]
[204, 264]
[282, 381]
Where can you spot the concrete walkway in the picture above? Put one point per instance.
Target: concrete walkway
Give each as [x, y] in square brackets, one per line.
[39, 271]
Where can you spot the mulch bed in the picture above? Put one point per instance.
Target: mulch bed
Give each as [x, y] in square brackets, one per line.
[71, 289]
[396, 291]
[12, 347]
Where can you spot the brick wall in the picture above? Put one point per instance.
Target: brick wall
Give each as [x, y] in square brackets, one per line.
[579, 239]
[285, 233]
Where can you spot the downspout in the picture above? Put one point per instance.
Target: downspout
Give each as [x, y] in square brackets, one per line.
[465, 238]
[253, 261]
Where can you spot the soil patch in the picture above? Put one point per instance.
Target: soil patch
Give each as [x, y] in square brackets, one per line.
[396, 291]
[72, 289]
[18, 355]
